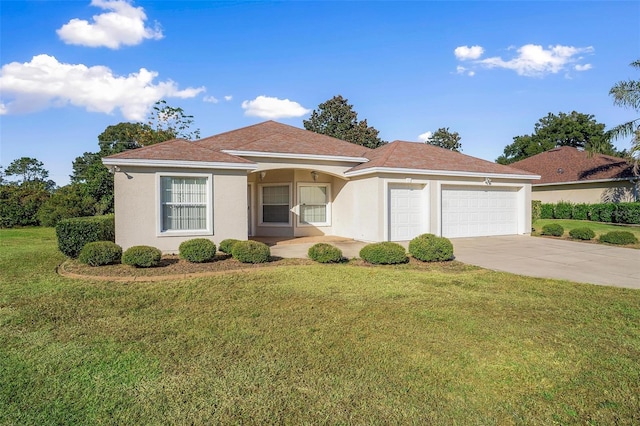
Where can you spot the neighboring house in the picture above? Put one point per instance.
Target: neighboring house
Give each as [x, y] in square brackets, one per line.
[569, 174]
[272, 179]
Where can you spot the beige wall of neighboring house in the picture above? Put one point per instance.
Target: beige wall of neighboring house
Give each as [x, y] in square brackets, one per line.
[137, 207]
[586, 192]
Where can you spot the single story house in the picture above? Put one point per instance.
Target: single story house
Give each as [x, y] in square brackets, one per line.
[570, 174]
[271, 179]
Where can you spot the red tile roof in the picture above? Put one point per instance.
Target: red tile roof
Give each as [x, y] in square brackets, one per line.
[421, 156]
[271, 137]
[178, 150]
[568, 164]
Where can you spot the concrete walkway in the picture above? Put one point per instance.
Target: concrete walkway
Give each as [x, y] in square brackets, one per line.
[518, 254]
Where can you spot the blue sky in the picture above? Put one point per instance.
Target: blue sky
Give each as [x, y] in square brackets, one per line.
[488, 70]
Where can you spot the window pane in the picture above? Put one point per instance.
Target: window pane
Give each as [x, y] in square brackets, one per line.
[275, 214]
[313, 195]
[275, 195]
[313, 214]
[184, 203]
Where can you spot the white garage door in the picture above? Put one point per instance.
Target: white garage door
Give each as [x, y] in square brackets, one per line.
[475, 212]
[406, 212]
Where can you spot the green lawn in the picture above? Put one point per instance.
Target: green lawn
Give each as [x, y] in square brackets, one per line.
[597, 227]
[320, 344]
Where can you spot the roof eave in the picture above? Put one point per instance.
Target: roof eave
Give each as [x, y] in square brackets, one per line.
[453, 173]
[295, 156]
[178, 163]
[577, 182]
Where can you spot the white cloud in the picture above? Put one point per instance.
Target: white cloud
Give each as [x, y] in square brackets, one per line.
[535, 61]
[228, 98]
[584, 67]
[465, 53]
[425, 136]
[124, 24]
[210, 99]
[273, 108]
[44, 82]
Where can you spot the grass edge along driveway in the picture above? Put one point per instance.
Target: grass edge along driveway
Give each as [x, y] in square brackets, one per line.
[328, 344]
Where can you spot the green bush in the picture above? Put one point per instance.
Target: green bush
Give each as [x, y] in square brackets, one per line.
[385, 253]
[100, 253]
[226, 246]
[604, 212]
[325, 253]
[251, 252]
[563, 210]
[627, 213]
[582, 233]
[430, 248]
[580, 212]
[536, 210]
[546, 211]
[618, 237]
[142, 256]
[198, 250]
[554, 229]
[74, 233]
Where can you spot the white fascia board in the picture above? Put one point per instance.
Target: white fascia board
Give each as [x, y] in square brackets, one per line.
[287, 155]
[438, 172]
[176, 163]
[578, 182]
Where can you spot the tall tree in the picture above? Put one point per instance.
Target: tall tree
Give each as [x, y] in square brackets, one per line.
[164, 123]
[30, 171]
[445, 139]
[575, 129]
[626, 94]
[21, 199]
[337, 118]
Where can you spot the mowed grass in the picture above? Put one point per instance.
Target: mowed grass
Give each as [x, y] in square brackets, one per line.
[597, 227]
[321, 344]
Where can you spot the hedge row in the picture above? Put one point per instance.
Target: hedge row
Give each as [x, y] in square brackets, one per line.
[626, 213]
[74, 233]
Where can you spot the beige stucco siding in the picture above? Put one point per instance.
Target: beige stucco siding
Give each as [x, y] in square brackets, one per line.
[589, 193]
[137, 207]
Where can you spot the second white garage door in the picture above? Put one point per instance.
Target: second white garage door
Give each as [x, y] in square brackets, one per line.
[406, 212]
[475, 212]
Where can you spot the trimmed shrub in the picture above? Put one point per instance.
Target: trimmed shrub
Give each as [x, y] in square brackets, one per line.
[546, 211]
[198, 250]
[100, 253]
[582, 233]
[251, 252]
[325, 253]
[142, 256]
[385, 253]
[74, 233]
[618, 237]
[563, 210]
[580, 212]
[536, 210]
[554, 229]
[430, 248]
[227, 245]
[604, 212]
[627, 213]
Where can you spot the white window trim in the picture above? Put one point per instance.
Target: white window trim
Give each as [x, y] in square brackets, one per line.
[177, 233]
[260, 209]
[328, 205]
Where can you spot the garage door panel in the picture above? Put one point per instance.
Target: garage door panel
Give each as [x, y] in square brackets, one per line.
[470, 212]
[406, 212]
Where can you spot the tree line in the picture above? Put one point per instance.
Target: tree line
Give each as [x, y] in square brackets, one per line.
[29, 198]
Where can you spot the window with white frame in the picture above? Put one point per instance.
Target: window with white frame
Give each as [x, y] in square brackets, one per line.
[184, 203]
[276, 204]
[314, 204]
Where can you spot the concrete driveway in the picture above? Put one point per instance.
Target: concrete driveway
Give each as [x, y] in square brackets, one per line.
[550, 258]
[518, 254]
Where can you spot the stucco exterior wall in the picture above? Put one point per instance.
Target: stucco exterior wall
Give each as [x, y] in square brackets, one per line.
[589, 193]
[137, 206]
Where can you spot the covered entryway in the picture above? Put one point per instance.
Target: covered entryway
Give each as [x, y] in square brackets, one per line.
[407, 212]
[477, 212]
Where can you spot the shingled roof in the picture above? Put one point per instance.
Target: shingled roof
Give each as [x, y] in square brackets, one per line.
[567, 164]
[273, 137]
[177, 150]
[421, 156]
